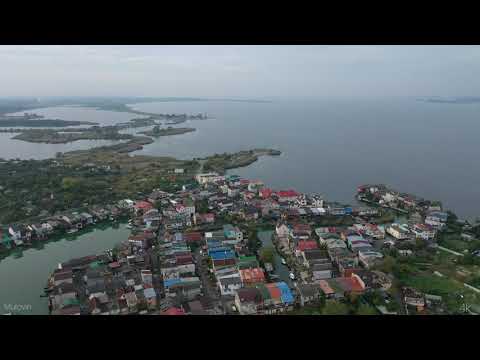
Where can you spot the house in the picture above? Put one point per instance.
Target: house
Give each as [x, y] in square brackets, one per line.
[413, 297]
[286, 195]
[398, 231]
[436, 219]
[132, 301]
[327, 290]
[150, 297]
[141, 207]
[173, 311]
[228, 281]
[265, 193]
[206, 178]
[232, 234]
[193, 237]
[424, 231]
[315, 256]
[303, 245]
[344, 286]
[309, 293]
[187, 288]
[321, 270]
[247, 262]
[252, 276]
[126, 204]
[369, 258]
[282, 230]
[223, 257]
[255, 185]
[276, 297]
[248, 300]
[206, 218]
[87, 218]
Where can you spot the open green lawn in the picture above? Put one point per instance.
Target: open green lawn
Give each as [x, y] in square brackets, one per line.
[432, 284]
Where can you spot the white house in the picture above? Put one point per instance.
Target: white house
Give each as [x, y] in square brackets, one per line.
[424, 231]
[399, 232]
[208, 178]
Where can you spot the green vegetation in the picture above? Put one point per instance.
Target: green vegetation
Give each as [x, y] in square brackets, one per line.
[222, 162]
[157, 131]
[335, 308]
[365, 309]
[69, 135]
[20, 121]
[267, 254]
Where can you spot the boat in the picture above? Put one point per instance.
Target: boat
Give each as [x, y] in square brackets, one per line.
[284, 262]
[292, 276]
[129, 226]
[72, 231]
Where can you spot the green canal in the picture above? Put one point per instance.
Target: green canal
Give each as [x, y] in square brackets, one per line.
[24, 272]
[279, 269]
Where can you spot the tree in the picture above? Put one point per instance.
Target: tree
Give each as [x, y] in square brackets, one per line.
[333, 307]
[365, 309]
[387, 264]
[267, 254]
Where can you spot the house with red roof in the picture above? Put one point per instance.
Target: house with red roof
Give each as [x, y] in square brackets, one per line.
[303, 245]
[265, 193]
[141, 207]
[252, 276]
[173, 311]
[287, 195]
[193, 237]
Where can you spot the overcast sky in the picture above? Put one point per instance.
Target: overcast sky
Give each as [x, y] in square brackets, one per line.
[239, 71]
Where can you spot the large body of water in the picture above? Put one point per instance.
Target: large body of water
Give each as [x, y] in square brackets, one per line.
[24, 274]
[329, 145]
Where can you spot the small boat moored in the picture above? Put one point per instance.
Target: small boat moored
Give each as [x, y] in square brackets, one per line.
[284, 262]
[292, 276]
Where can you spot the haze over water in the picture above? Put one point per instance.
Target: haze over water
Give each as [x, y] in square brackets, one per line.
[333, 145]
[329, 146]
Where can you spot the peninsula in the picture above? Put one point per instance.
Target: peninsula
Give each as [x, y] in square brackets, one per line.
[157, 131]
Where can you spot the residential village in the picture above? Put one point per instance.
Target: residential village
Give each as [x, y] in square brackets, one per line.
[227, 245]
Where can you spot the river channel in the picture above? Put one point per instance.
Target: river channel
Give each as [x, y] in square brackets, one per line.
[24, 272]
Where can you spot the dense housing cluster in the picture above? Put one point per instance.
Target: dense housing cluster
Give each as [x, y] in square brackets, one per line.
[227, 245]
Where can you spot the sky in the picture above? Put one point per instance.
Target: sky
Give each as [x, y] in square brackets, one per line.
[240, 71]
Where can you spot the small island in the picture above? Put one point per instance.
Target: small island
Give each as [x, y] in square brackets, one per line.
[157, 131]
[50, 136]
[34, 120]
[222, 162]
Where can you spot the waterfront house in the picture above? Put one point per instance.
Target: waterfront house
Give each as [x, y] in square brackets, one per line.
[87, 218]
[303, 245]
[265, 193]
[142, 207]
[286, 195]
[436, 219]
[252, 276]
[40, 232]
